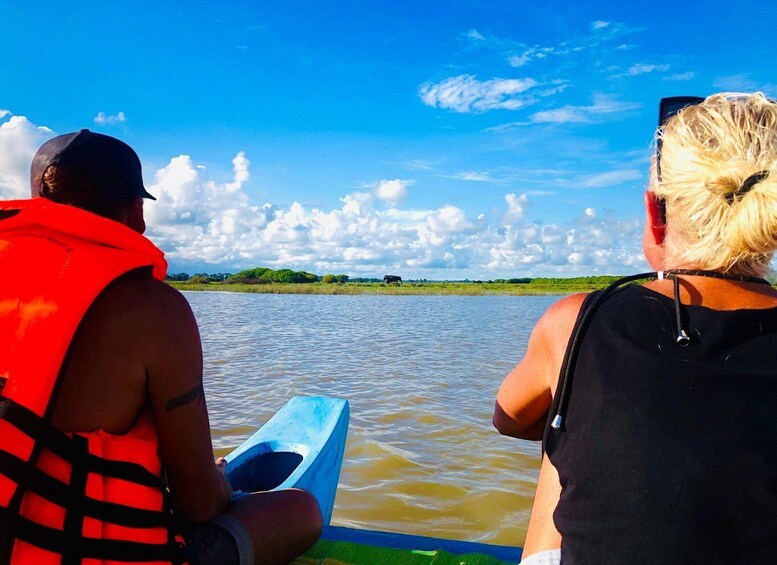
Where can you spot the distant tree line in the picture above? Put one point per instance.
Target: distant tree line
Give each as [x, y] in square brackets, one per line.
[260, 275]
[513, 281]
[602, 280]
[198, 277]
[331, 279]
[265, 275]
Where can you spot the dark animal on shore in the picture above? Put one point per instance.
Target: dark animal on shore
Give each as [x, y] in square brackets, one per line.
[389, 279]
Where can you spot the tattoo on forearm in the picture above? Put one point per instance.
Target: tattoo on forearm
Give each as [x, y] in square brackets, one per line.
[193, 395]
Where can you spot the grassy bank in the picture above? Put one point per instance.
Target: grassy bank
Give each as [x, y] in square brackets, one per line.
[427, 288]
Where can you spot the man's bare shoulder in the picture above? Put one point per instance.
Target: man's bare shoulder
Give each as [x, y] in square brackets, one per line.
[134, 327]
[147, 295]
[150, 313]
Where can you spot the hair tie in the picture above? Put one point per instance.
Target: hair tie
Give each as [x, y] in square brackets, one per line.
[746, 185]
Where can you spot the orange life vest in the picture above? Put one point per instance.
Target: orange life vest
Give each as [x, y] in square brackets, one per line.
[69, 498]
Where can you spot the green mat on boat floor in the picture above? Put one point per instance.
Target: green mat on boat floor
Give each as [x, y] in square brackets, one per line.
[346, 553]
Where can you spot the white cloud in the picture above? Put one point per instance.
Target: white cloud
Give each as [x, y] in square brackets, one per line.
[516, 208]
[474, 176]
[392, 191]
[200, 221]
[357, 204]
[584, 245]
[474, 38]
[559, 86]
[599, 37]
[507, 127]
[537, 52]
[736, 83]
[641, 69]
[447, 220]
[106, 119]
[601, 33]
[565, 115]
[688, 75]
[602, 105]
[406, 218]
[240, 167]
[419, 165]
[465, 93]
[19, 140]
[743, 83]
[522, 59]
[179, 193]
[610, 178]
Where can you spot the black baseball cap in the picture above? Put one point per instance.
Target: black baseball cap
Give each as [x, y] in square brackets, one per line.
[111, 166]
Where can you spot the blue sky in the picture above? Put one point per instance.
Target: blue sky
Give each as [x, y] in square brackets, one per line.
[441, 140]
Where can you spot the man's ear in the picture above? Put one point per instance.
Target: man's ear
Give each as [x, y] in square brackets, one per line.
[135, 218]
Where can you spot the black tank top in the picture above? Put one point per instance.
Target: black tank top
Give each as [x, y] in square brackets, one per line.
[669, 454]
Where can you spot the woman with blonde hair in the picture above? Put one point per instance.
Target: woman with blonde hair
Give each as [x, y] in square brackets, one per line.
[654, 401]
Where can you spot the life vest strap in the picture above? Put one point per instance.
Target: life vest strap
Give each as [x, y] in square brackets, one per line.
[76, 501]
[70, 542]
[62, 494]
[56, 541]
[63, 445]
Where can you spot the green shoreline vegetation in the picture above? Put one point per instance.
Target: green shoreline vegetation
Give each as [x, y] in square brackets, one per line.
[285, 281]
[463, 288]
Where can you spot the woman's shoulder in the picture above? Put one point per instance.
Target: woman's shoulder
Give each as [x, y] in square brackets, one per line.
[555, 327]
[560, 318]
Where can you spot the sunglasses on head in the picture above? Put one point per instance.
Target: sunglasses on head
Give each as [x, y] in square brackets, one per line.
[667, 108]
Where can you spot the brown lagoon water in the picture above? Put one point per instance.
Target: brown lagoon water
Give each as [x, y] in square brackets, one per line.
[420, 373]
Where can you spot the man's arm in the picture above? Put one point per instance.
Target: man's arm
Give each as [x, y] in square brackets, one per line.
[524, 399]
[174, 372]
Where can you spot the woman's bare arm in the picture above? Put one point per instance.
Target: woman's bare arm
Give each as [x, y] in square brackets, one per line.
[525, 396]
[542, 533]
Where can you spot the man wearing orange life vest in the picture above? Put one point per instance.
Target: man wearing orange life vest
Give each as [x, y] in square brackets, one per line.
[95, 345]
